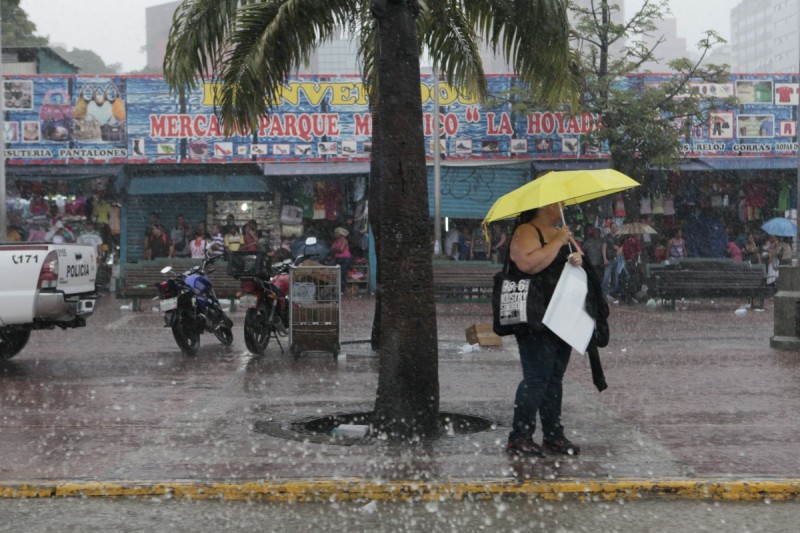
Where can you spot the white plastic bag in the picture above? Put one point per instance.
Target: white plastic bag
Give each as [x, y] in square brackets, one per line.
[566, 315]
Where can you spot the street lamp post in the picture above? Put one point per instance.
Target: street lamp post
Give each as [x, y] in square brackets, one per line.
[3, 208]
[437, 177]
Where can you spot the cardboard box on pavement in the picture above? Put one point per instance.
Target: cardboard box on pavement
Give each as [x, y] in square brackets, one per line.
[483, 335]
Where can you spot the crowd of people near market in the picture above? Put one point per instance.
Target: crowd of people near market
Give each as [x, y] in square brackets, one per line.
[620, 258]
[60, 218]
[334, 246]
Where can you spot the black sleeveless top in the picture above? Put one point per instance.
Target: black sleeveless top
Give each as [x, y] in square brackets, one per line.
[596, 304]
[548, 278]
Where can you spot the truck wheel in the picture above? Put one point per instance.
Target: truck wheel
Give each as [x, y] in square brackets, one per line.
[12, 341]
[185, 332]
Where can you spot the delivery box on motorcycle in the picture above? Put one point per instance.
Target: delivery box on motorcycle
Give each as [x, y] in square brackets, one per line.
[248, 265]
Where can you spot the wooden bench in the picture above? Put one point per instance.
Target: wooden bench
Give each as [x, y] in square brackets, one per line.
[463, 280]
[713, 278]
[137, 281]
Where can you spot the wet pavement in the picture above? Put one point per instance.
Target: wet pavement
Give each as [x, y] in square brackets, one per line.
[698, 404]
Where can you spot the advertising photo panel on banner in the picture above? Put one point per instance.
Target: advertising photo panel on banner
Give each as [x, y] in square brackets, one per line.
[66, 119]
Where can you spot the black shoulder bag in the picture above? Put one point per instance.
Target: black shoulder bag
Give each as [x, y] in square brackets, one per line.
[517, 300]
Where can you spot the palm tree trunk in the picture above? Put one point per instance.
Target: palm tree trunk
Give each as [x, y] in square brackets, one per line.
[407, 403]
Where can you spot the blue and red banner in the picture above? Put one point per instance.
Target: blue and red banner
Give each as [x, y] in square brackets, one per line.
[135, 119]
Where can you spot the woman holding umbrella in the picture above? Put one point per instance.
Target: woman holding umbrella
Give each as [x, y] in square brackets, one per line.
[539, 247]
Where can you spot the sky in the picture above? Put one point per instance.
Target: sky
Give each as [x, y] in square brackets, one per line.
[694, 17]
[115, 29]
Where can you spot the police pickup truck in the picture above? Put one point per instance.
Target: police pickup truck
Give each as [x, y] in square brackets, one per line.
[43, 285]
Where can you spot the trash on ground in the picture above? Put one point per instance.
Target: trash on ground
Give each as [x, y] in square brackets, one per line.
[484, 335]
[469, 348]
[350, 431]
[370, 508]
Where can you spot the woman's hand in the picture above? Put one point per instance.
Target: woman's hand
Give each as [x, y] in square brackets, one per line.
[576, 259]
[563, 235]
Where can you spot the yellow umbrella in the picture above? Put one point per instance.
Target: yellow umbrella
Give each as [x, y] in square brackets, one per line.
[566, 187]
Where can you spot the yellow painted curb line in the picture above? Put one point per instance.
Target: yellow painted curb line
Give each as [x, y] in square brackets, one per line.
[358, 489]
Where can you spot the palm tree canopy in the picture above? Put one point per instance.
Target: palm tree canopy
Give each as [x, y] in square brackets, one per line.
[252, 46]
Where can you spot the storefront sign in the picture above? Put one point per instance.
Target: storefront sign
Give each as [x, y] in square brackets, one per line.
[136, 119]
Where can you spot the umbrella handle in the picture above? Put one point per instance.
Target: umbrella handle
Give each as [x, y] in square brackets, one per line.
[564, 223]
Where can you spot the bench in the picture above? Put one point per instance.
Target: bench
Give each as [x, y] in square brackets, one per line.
[700, 277]
[137, 281]
[455, 281]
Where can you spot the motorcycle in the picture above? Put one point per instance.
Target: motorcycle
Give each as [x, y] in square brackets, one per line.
[266, 296]
[266, 301]
[190, 307]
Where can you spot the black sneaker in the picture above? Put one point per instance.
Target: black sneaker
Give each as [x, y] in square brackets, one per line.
[524, 446]
[562, 445]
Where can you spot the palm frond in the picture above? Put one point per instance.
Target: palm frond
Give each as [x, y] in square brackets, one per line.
[368, 52]
[533, 36]
[251, 49]
[453, 45]
[197, 40]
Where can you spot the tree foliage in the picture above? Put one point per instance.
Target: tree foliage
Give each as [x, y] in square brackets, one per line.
[641, 125]
[87, 61]
[17, 29]
[251, 48]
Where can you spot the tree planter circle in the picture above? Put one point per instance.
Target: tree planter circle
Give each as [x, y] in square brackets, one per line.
[320, 429]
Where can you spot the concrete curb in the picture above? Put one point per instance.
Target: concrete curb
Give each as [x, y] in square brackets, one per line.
[358, 489]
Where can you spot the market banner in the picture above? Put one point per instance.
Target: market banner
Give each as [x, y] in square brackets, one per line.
[78, 119]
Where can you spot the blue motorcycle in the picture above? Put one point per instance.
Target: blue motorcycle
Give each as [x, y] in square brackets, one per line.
[190, 307]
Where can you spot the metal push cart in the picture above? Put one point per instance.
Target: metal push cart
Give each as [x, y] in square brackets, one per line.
[315, 298]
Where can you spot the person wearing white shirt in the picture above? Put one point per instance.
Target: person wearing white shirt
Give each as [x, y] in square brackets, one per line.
[91, 236]
[452, 243]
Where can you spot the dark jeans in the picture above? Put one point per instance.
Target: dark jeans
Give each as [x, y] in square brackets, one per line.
[610, 282]
[544, 358]
[344, 264]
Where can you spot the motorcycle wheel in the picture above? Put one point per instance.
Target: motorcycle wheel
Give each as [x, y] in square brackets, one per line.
[281, 319]
[12, 341]
[186, 334]
[224, 335]
[257, 329]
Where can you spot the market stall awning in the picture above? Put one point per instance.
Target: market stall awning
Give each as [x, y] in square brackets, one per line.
[62, 172]
[196, 183]
[752, 163]
[569, 164]
[315, 169]
[693, 165]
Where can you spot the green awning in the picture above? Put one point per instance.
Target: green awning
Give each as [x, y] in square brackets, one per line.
[196, 183]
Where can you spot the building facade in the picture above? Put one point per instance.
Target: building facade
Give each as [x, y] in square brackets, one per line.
[77, 141]
[764, 36]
